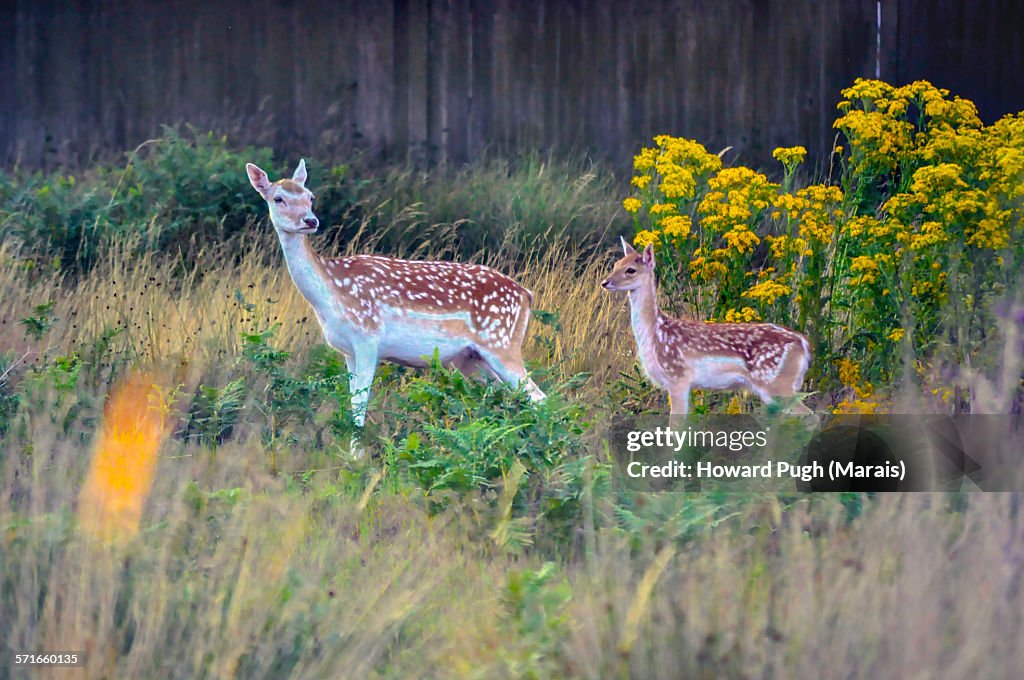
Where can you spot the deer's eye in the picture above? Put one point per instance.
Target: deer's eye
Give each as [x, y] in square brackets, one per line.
[278, 199]
[631, 271]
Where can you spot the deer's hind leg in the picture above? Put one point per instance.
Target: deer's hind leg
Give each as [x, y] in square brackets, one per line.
[789, 380]
[510, 369]
[471, 364]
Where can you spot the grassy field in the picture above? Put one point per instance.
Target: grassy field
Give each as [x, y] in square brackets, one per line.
[487, 538]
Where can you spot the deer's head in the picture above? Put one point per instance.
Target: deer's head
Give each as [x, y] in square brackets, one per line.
[635, 270]
[290, 202]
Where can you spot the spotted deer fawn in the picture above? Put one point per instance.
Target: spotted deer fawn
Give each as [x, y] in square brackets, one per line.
[374, 308]
[681, 355]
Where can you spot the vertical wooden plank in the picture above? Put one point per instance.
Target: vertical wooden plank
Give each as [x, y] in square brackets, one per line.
[500, 84]
[625, 75]
[456, 92]
[417, 48]
[400, 105]
[374, 71]
[890, 53]
[437, 120]
[547, 76]
[8, 90]
[481, 110]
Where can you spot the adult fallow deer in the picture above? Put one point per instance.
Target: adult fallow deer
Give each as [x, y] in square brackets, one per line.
[374, 308]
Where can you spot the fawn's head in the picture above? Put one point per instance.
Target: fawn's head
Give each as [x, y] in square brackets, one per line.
[633, 271]
[291, 203]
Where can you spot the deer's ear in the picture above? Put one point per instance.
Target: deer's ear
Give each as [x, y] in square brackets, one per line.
[300, 172]
[648, 256]
[259, 180]
[626, 248]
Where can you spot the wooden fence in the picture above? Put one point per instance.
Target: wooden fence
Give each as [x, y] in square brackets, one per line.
[445, 80]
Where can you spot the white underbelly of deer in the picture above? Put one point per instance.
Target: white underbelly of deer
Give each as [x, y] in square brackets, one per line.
[718, 373]
[410, 337]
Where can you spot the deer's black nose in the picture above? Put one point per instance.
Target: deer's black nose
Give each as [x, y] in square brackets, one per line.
[604, 284]
[311, 221]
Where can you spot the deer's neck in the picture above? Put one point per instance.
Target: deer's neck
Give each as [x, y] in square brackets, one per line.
[307, 272]
[644, 313]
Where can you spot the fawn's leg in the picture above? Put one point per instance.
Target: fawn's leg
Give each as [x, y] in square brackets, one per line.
[679, 400]
[773, 392]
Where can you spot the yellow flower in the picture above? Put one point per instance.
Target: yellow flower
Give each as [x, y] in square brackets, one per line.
[645, 160]
[767, 291]
[741, 239]
[676, 226]
[790, 155]
[857, 406]
[641, 181]
[701, 268]
[662, 208]
[849, 375]
[645, 238]
[631, 204]
[745, 315]
[896, 335]
[867, 268]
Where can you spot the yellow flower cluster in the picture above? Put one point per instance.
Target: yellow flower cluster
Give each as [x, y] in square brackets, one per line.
[666, 177]
[863, 400]
[676, 226]
[867, 269]
[857, 406]
[878, 141]
[849, 376]
[674, 167]
[745, 315]
[790, 156]
[706, 269]
[814, 209]
[877, 123]
[741, 239]
[644, 238]
[931, 202]
[735, 199]
[767, 291]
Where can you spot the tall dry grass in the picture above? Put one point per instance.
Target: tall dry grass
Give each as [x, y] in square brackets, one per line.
[245, 575]
[162, 310]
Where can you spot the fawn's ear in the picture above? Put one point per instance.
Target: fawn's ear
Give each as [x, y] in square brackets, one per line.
[648, 256]
[259, 180]
[300, 172]
[626, 248]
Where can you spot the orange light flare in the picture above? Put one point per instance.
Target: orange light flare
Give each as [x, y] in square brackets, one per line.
[124, 461]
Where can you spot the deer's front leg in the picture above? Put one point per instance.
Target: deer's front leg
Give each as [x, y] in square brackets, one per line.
[362, 366]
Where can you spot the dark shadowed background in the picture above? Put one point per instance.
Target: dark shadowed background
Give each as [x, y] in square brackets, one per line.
[444, 80]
